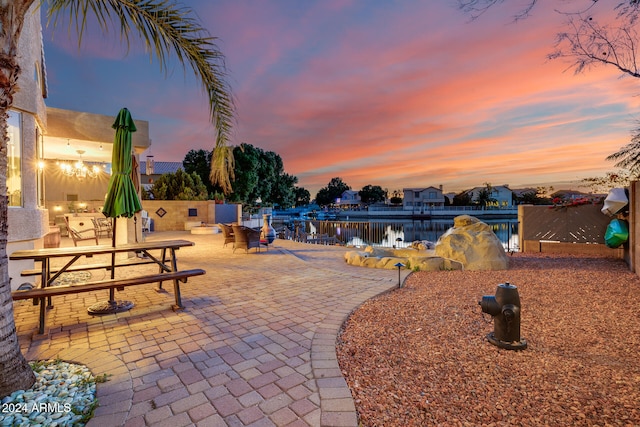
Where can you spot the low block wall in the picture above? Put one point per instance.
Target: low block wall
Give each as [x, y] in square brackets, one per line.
[172, 215]
[571, 248]
[577, 230]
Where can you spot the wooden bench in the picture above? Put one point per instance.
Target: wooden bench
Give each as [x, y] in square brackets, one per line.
[40, 294]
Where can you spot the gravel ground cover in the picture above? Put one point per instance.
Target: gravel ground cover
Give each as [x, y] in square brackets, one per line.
[418, 356]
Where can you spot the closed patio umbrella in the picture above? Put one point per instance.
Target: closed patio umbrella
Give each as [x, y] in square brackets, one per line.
[122, 198]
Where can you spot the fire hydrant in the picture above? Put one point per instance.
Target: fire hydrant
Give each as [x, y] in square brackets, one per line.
[505, 309]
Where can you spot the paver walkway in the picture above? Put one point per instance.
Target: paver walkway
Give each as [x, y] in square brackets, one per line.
[255, 345]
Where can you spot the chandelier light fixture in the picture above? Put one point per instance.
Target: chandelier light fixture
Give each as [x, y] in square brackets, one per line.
[79, 169]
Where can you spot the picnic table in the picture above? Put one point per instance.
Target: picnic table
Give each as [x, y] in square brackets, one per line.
[166, 261]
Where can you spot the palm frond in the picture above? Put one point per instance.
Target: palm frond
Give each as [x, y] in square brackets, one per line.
[222, 167]
[628, 157]
[168, 30]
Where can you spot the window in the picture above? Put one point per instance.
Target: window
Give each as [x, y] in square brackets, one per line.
[14, 159]
[416, 194]
[433, 195]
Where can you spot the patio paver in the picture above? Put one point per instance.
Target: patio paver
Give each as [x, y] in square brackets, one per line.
[254, 346]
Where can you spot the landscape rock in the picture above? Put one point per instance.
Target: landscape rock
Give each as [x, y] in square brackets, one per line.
[469, 245]
[413, 259]
[423, 245]
[472, 243]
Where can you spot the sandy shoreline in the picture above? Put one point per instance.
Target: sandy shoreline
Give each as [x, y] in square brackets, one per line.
[419, 356]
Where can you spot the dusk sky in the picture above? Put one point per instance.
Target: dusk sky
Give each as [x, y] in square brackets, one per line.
[390, 93]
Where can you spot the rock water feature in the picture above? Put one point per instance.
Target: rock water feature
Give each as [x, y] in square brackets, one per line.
[469, 245]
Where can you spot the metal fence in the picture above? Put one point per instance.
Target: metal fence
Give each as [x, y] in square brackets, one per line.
[391, 233]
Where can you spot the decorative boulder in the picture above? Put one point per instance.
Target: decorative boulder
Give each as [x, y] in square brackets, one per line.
[423, 245]
[412, 258]
[472, 243]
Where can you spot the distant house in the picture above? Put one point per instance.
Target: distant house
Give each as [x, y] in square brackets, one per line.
[155, 171]
[350, 199]
[521, 192]
[574, 194]
[501, 194]
[417, 199]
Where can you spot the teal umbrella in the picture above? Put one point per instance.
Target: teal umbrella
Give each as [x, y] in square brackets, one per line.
[122, 198]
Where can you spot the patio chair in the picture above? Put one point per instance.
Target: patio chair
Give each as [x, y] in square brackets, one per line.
[102, 226]
[81, 235]
[245, 238]
[145, 224]
[227, 230]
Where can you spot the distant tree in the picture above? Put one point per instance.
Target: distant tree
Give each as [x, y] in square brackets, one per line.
[396, 197]
[179, 186]
[532, 197]
[603, 184]
[199, 161]
[324, 197]
[485, 196]
[283, 192]
[544, 192]
[246, 159]
[372, 194]
[462, 199]
[303, 197]
[260, 175]
[328, 195]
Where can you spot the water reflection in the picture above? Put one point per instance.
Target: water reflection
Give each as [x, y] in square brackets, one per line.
[399, 233]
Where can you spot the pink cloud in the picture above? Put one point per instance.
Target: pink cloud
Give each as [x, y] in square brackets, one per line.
[398, 95]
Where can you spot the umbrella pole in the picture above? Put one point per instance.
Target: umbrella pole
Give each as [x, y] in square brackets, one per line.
[113, 235]
[112, 292]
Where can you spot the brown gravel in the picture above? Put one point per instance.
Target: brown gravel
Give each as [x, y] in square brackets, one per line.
[418, 356]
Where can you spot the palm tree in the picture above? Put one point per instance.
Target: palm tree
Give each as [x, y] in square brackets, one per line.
[167, 29]
[628, 157]
[484, 197]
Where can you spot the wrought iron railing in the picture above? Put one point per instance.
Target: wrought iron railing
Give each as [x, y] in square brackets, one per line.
[390, 233]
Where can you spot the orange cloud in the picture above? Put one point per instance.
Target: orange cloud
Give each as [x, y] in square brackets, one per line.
[402, 94]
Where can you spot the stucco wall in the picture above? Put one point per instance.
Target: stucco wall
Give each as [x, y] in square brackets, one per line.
[177, 213]
[28, 224]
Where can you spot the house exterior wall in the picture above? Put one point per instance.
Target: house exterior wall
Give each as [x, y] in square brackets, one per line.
[417, 199]
[501, 193]
[28, 224]
[350, 198]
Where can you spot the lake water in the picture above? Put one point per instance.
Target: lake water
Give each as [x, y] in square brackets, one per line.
[400, 233]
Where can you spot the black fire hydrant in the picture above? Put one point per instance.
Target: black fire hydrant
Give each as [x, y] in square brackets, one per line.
[505, 309]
